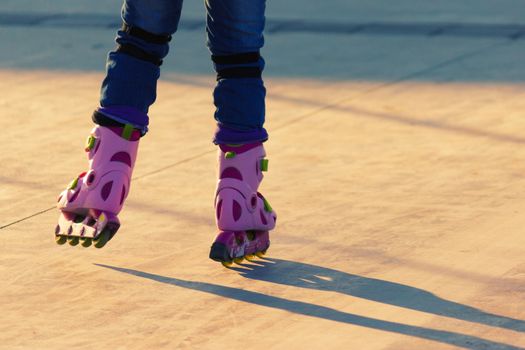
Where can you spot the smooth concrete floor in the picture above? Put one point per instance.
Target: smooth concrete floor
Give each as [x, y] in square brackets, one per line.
[397, 168]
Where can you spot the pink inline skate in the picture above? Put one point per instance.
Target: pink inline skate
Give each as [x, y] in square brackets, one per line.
[243, 215]
[90, 204]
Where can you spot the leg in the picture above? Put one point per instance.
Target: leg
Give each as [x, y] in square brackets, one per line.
[90, 204]
[134, 67]
[243, 215]
[235, 37]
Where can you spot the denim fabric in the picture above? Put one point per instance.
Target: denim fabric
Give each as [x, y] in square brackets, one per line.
[130, 81]
[233, 27]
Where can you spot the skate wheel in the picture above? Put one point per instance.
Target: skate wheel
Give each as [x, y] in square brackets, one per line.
[101, 240]
[238, 260]
[86, 242]
[226, 263]
[60, 240]
[73, 241]
[261, 253]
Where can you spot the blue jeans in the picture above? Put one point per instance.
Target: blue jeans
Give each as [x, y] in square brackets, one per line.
[234, 37]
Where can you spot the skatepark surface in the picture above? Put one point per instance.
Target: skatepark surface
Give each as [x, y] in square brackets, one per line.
[397, 163]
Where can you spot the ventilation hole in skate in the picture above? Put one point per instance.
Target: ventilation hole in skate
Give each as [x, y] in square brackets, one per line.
[123, 195]
[231, 173]
[239, 237]
[254, 201]
[91, 221]
[263, 219]
[236, 210]
[78, 219]
[122, 157]
[74, 196]
[90, 178]
[57, 229]
[106, 190]
[219, 207]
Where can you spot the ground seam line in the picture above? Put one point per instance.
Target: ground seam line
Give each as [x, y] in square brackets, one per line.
[133, 179]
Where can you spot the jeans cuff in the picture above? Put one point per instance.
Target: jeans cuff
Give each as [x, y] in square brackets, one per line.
[127, 115]
[227, 135]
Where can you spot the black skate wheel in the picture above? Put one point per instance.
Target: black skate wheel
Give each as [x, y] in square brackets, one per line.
[86, 242]
[219, 252]
[102, 239]
[60, 240]
[73, 241]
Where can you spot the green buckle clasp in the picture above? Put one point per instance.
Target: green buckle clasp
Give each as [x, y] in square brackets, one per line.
[264, 164]
[267, 206]
[73, 184]
[229, 155]
[127, 131]
[90, 143]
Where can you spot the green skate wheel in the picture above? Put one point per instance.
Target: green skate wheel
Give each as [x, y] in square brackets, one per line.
[227, 263]
[250, 257]
[73, 241]
[261, 253]
[60, 240]
[238, 260]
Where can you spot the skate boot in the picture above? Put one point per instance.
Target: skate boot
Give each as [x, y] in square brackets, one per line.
[90, 204]
[243, 215]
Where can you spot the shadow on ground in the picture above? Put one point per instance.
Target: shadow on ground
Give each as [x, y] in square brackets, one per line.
[414, 28]
[320, 278]
[370, 50]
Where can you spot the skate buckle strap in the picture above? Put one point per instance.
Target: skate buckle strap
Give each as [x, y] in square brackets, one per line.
[264, 164]
[127, 131]
[229, 155]
[73, 184]
[90, 143]
[267, 206]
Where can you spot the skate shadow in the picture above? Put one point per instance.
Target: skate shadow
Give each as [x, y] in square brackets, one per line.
[322, 312]
[308, 276]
